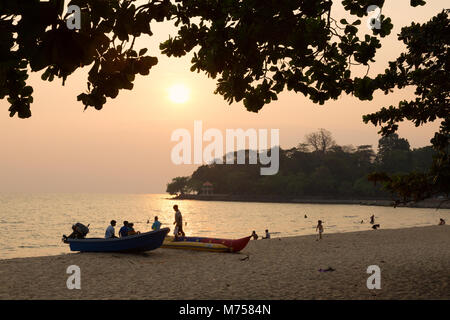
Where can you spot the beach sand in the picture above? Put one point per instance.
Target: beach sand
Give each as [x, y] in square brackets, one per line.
[414, 263]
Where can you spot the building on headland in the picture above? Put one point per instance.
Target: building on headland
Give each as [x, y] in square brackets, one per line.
[207, 188]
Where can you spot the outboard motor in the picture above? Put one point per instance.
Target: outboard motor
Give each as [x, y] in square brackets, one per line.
[79, 232]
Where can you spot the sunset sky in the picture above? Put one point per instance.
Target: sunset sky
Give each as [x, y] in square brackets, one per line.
[126, 147]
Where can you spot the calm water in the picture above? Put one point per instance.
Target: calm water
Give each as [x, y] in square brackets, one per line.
[32, 224]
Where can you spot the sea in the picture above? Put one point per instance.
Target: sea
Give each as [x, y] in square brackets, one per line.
[33, 224]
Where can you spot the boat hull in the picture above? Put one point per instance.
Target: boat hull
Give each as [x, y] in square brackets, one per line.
[206, 244]
[136, 243]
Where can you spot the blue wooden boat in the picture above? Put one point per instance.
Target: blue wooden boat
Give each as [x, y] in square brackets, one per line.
[136, 243]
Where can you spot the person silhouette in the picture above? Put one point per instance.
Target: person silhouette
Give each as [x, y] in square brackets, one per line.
[267, 235]
[178, 222]
[320, 229]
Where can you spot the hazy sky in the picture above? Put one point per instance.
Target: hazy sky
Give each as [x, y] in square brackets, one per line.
[126, 146]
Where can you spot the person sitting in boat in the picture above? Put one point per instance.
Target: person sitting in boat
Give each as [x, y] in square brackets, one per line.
[156, 225]
[254, 235]
[123, 232]
[178, 222]
[131, 230]
[110, 232]
[267, 235]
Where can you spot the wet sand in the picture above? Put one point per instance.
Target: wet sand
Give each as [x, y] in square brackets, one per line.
[414, 263]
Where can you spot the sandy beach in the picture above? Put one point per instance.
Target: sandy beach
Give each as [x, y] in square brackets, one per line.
[414, 263]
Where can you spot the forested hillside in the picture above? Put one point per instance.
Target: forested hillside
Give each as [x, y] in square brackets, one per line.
[317, 167]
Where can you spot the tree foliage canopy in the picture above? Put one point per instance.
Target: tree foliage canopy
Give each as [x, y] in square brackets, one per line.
[257, 48]
[34, 36]
[426, 67]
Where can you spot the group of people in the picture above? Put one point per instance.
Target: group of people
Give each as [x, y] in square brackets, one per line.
[255, 236]
[267, 236]
[128, 228]
[319, 226]
[375, 226]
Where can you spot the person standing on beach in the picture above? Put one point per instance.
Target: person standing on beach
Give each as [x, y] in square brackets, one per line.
[156, 225]
[178, 222]
[320, 228]
[372, 219]
[110, 232]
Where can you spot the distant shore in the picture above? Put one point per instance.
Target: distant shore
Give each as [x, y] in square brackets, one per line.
[414, 264]
[429, 203]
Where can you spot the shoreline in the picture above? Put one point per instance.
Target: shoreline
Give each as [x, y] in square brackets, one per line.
[273, 235]
[251, 240]
[429, 203]
[414, 263]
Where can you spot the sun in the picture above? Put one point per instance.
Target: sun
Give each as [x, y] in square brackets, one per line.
[178, 93]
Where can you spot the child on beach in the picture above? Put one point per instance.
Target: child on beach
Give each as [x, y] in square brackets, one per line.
[320, 228]
[254, 235]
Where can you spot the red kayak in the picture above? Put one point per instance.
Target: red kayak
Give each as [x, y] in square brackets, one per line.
[206, 244]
